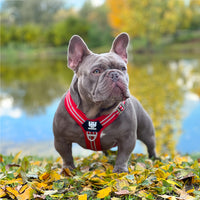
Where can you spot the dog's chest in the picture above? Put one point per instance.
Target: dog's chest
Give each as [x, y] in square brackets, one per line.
[95, 139]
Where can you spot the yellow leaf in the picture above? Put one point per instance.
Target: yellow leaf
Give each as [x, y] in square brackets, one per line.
[140, 167]
[97, 181]
[7, 182]
[59, 160]
[2, 193]
[27, 194]
[179, 160]
[54, 176]
[15, 159]
[160, 174]
[102, 174]
[104, 192]
[82, 197]
[40, 185]
[23, 188]
[173, 182]
[38, 163]
[66, 172]
[44, 176]
[11, 192]
[132, 189]
[191, 191]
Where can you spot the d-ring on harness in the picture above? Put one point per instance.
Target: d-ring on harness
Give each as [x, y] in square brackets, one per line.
[92, 128]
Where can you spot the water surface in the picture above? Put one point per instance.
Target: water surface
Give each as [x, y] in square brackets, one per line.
[31, 90]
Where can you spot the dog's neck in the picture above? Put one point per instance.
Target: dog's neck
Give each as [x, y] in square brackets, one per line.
[91, 109]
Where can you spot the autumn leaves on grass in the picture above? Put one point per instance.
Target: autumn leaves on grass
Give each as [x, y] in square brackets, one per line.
[30, 177]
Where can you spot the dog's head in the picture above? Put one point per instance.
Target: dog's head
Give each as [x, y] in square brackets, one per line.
[101, 77]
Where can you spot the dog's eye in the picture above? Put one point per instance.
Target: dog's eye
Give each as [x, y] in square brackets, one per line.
[96, 71]
[123, 68]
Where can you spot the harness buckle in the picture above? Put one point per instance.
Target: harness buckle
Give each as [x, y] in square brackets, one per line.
[121, 108]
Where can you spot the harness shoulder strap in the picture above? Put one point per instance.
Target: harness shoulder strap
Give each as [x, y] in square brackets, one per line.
[92, 129]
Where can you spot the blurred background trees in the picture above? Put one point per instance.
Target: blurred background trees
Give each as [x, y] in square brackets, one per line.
[52, 23]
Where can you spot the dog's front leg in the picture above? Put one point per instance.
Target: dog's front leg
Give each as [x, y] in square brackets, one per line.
[125, 148]
[65, 150]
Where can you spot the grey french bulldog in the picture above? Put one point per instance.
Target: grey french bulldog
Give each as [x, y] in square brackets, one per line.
[98, 93]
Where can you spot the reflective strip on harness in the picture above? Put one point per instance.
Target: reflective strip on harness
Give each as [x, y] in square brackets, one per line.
[92, 128]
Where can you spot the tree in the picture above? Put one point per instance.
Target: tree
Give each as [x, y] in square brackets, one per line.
[32, 11]
[149, 19]
[100, 32]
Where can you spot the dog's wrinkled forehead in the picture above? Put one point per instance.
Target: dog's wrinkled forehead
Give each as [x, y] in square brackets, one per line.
[107, 60]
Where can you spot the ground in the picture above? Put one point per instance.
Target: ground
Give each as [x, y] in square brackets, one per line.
[39, 178]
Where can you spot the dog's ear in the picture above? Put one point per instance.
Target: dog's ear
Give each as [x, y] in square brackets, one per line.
[77, 50]
[119, 46]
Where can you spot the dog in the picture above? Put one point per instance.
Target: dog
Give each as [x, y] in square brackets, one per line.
[98, 112]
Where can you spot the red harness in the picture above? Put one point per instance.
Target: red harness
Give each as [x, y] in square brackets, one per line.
[92, 128]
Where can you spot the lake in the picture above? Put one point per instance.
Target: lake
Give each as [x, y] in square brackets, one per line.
[167, 87]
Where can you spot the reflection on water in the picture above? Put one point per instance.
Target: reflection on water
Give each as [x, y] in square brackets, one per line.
[31, 92]
[34, 86]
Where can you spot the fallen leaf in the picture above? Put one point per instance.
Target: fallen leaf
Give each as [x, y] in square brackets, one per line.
[173, 183]
[35, 196]
[140, 167]
[104, 192]
[191, 190]
[160, 174]
[11, 192]
[15, 159]
[23, 188]
[66, 172]
[2, 193]
[132, 189]
[82, 197]
[26, 194]
[44, 176]
[50, 192]
[9, 182]
[184, 195]
[167, 197]
[121, 184]
[179, 159]
[122, 192]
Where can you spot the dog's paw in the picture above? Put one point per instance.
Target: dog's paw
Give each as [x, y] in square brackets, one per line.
[120, 169]
[67, 171]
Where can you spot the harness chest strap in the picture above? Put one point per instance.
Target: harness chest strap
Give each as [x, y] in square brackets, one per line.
[92, 128]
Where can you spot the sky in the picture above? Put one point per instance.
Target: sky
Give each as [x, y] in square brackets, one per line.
[79, 3]
[76, 3]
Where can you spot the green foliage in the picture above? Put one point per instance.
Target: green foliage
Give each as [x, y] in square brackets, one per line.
[31, 11]
[50, 23]
[46, 23]
[28, 177]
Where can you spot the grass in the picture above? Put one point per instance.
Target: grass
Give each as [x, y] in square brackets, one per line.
[35, 178]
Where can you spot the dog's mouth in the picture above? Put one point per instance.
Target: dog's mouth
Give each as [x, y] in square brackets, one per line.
[119, 91]
[113, 91]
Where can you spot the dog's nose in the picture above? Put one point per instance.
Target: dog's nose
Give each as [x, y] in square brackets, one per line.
[114, 76]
